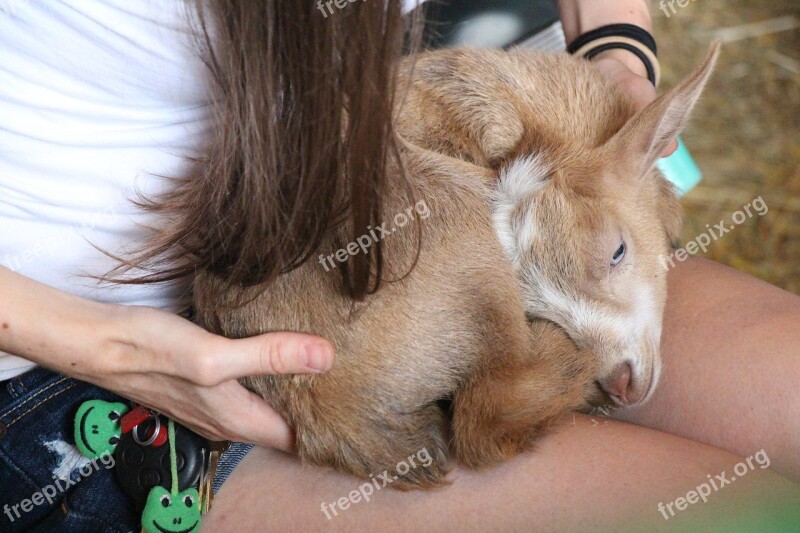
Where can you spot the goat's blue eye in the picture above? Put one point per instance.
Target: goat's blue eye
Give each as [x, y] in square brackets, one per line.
[618, 255]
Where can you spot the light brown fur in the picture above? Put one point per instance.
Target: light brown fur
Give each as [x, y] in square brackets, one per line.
[456, 326]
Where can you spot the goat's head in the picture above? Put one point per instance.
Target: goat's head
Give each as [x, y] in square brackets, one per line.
[586, 229]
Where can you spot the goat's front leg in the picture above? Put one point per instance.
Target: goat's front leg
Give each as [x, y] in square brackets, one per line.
[514, 398]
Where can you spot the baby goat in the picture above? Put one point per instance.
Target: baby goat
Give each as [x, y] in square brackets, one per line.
[536, 280]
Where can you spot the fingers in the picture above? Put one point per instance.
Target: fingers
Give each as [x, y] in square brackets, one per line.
[264, 426]
[271, 353]
[225, 412]
[670, 149]
[189, 374]
[234, 413]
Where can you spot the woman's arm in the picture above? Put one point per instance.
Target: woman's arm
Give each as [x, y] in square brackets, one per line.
[581, 16]
[156, 358]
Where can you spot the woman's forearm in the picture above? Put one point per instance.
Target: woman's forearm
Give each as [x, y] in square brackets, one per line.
[156, 358]
[50, 327]
[580, 16]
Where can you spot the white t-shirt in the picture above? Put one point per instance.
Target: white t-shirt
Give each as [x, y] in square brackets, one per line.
[97, 99]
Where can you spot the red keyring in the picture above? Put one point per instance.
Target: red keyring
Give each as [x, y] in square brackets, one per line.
[155, 436]
[134, 417]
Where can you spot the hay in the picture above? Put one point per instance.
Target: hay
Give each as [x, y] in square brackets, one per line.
[746, 132]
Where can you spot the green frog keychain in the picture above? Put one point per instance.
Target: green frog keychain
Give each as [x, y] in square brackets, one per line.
[172, 511]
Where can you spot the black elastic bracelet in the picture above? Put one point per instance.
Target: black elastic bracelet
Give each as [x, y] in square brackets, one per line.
[648, 65]
[630, 31]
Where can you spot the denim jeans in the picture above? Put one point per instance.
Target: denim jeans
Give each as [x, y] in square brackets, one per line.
[45, 485]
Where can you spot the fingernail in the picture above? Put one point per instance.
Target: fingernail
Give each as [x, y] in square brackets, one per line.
[317, 357]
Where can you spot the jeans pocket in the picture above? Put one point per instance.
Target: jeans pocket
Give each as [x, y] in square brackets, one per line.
[44, 478]
[93, 505]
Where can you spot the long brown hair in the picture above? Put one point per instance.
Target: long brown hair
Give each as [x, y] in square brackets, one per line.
[303, 103]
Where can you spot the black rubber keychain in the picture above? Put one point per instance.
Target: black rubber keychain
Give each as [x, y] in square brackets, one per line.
[136, 437]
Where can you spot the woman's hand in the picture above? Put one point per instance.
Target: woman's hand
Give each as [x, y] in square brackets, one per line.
[579, 16]
[168, 363]
[629, 72]
[157, 358]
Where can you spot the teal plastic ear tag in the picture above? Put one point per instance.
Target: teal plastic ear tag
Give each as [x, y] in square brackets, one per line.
[97, 427]
[168, 513]
[680, 169]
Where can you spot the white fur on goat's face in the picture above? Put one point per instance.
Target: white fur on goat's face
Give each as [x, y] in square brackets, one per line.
[561, 243]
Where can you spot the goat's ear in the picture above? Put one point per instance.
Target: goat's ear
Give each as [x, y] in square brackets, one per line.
[643, 139]
[497, 128]
[478, 106]
[669, 211]
[438, 165]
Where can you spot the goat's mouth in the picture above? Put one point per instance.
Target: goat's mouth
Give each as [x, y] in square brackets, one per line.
[597, 397]
[600, 402]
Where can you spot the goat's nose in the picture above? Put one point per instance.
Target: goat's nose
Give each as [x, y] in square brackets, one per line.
[618, 383]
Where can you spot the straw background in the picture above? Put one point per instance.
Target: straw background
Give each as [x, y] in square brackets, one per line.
[745, 135]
